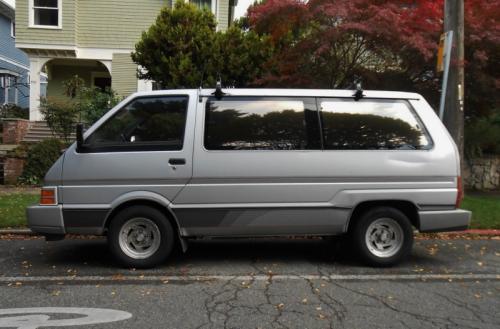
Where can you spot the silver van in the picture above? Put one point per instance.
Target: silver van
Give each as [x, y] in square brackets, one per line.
[163, 167]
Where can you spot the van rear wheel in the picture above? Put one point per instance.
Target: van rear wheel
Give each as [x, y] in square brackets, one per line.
[140, 237]
[383, 236]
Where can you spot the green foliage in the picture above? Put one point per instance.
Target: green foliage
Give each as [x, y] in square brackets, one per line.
[13, 111]
[182, 49]
[482, 136]
[241, 56]
[94, 103]
[61, 116]
[40, 158]
[87, 105]
[73, 86]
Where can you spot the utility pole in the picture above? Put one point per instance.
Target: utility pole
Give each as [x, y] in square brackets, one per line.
[454, 99]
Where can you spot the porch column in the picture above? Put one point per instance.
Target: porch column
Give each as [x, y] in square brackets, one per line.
[35, 69]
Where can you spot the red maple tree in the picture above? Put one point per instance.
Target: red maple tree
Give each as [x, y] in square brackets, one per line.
[392, 44]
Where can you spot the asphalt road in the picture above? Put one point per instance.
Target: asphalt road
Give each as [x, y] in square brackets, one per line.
[252, 284]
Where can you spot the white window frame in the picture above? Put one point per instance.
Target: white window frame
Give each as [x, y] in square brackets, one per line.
[50, 27]
[13, 29]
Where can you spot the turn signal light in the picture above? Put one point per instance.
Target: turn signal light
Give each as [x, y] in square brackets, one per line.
[48, 196]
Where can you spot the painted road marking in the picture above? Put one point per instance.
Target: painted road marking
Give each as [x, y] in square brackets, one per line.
[37, 317]
[260, 277]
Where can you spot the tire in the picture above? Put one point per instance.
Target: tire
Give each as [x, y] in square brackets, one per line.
[147, 237]
[382, 236]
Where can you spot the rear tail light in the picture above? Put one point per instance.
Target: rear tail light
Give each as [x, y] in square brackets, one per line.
[460, 192]
[48, 196]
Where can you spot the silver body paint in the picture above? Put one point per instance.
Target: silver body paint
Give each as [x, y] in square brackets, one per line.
[251, 192]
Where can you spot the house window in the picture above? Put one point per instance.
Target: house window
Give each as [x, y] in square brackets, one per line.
[46, 13]
[13, 29]
[203, 4]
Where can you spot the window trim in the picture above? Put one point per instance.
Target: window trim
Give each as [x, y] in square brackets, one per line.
[313, 101]
[149, 147]
[412, 110]
[49, 27]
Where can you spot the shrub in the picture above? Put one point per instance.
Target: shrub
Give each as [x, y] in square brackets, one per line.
[61, 117]
[482, 136]
[13, 111]
[94, 103]
[40, 158]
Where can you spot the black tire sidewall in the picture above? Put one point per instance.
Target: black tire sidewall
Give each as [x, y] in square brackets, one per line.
[166, 236]
[364, 222]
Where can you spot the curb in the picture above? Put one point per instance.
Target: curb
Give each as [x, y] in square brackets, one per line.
[18, 231]
[480, 232]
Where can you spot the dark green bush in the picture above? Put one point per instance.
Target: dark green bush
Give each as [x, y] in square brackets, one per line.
[40, 158]
[94, 103]
[482, 136]
[13, 111]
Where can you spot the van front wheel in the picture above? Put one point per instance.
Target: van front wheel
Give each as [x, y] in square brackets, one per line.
[140, 237]
[383, 236]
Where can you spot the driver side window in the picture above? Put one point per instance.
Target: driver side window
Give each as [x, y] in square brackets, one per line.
[146, 123]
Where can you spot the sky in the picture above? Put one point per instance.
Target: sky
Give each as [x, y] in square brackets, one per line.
[241, 8]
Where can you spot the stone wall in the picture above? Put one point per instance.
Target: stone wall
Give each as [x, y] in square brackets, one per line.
[12, 169]
[482, 173]
[14, 130]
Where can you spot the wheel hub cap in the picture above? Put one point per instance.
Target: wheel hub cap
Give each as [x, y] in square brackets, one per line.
[139, 238]
[384, 237]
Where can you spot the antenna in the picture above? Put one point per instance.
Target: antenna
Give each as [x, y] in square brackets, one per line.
[359, 90]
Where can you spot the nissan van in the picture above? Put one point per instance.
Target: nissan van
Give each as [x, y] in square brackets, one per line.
[164, 167]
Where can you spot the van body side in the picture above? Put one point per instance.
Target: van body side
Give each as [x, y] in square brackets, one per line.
[311, 190]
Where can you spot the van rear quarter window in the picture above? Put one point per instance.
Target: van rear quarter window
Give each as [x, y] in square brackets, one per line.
[142, 123]
[371, 125]
[261, 123]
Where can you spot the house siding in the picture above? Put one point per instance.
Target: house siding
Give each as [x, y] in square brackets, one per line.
[15, 60]
[41, 36]
[124, 78]
[223, 15]
[114, 23]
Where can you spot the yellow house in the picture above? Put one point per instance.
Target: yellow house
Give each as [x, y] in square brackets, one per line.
[90, 38]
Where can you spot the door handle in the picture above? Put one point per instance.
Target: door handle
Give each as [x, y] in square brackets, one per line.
[177, 161]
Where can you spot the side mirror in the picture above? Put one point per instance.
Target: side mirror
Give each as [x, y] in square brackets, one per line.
[79, 137]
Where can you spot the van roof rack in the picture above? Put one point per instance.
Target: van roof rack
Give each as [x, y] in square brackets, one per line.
[359, 91]
[218, 93]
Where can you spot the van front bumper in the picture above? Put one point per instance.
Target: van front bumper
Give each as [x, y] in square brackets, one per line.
[45, 220]
[444, 220]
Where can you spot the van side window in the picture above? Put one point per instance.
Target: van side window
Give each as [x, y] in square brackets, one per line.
[371, 125]
[261, 123]
[146, 123]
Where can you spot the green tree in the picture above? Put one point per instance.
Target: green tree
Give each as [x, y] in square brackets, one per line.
[182, 49]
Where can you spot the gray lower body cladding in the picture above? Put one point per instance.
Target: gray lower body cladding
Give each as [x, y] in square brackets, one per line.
[235, 221]
[261, 221]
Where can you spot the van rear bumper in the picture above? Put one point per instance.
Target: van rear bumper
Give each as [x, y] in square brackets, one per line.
[444, 220]
[45, 220]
